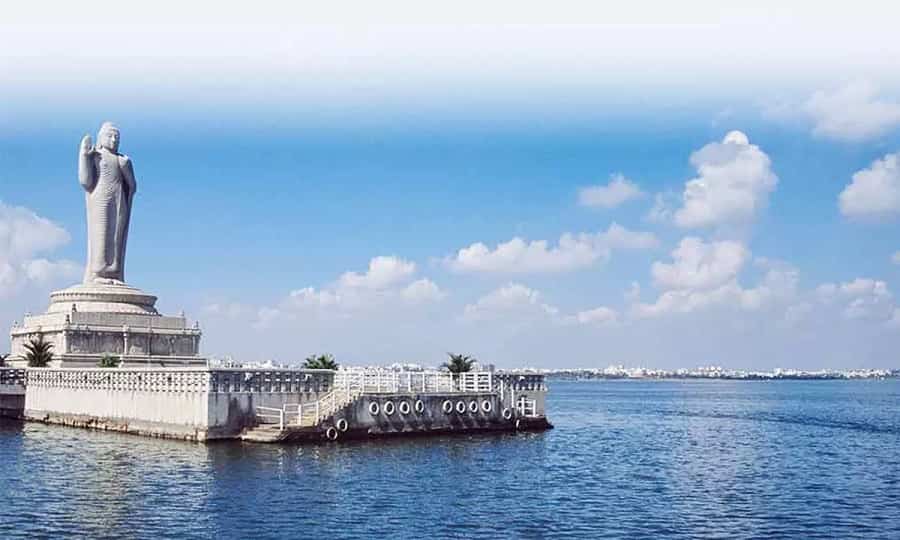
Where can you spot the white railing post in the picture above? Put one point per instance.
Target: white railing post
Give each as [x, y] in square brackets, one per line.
[281, 420]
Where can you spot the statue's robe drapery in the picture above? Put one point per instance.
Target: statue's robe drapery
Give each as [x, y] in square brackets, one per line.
[108, 215]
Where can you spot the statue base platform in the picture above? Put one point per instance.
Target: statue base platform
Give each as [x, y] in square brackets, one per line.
[86, 322]
[97, 298]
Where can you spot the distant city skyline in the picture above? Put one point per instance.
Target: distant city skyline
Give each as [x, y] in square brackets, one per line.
[663, 194]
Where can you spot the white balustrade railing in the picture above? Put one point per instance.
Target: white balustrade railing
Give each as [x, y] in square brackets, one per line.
[475, 381]
[271, 415]
[12, 376]
[527, 407]
[377, 381]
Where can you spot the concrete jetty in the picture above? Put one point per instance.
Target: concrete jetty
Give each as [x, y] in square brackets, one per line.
[277, 405]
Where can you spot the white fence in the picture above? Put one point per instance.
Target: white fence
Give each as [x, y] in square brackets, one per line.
[374, 381]
[348, 385]
[527, 407]
[12, 376]
[271, 415]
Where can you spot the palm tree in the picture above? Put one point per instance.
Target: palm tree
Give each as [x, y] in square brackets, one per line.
[321, 361]
[459, 363]
[38, 353]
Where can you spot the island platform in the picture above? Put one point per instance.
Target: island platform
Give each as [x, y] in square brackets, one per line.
[274, 405]
[161, 385]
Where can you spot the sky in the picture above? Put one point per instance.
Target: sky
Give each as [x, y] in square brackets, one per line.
[567, 186]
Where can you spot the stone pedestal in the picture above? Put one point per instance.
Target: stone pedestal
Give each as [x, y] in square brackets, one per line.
[86, 322]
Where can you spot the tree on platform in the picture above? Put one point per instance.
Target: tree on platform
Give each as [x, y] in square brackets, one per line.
[459, 363]
[321, 361]
[38, 353]
[109, 361]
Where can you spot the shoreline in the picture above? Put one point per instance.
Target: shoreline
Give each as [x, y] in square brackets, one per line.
[569, 378]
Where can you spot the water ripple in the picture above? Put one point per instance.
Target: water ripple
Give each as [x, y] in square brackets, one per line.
[627, 460]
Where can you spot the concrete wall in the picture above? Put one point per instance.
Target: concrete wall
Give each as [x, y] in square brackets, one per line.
[12, 400]
[175, 415]
[432, 418]
[186, 403]
[229, 412]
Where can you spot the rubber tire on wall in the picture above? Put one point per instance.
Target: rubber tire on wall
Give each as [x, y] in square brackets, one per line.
[331, 433]
[404, 408]
[447, 406]
[507, 413]
[487, 406]
[473, 406]
[389, 408]
[461, 407]
[420, 406]
[374, 408]
[342, 424]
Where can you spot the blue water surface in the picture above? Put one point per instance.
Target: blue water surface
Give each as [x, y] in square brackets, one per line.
[628, 459]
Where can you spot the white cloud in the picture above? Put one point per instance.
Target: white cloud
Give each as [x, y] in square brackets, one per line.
[700, 265]
[852, 113]
[688, 301]
[874, 193]
[386, 285]
[617, 191]
[310, 297]
[618, 237]
[518, 304]
[422, 290]
[44, 271]
[860, 299]
[600, 316]
[573, 252]
[733, 183]
[383, 272]
[23, 235]
[705, 275]
[661, 211]
[513, 301]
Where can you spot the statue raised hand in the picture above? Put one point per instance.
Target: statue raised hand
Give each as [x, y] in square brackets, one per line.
[108, 180]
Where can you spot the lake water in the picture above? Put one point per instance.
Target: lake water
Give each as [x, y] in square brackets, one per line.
[628, 459]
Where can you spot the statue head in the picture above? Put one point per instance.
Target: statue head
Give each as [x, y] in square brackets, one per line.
[108, 137]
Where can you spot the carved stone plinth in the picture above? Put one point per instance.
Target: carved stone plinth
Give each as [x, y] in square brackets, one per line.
[97, 298]
[86, 322]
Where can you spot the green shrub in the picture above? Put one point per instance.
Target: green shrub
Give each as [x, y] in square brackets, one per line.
[109, 361]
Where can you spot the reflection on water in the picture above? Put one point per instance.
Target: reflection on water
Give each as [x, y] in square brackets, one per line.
[628, 459]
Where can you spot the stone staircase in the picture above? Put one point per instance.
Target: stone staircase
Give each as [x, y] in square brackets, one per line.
[265, 433]
[305, 419]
